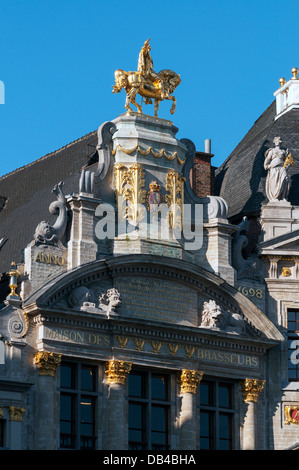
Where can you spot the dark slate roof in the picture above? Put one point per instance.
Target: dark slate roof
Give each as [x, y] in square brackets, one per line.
[26, 193]
[240, 180]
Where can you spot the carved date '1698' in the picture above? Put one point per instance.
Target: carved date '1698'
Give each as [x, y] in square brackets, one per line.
[251, 292]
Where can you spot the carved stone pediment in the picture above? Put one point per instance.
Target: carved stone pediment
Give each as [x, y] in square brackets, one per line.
[285, 244]
[153, 291]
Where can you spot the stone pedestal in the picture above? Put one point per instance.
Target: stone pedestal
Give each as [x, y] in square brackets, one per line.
[82, 247]
[218, 251]
[42, 262]
[276, 219]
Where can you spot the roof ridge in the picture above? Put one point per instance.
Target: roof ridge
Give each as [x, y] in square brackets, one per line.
[47, 155]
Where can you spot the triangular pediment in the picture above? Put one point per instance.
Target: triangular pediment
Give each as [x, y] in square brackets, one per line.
[287, 243]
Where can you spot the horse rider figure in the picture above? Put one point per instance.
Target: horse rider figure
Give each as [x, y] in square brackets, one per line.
[145, 68]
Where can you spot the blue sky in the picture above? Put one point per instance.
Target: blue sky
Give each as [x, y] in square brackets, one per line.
[58, 60]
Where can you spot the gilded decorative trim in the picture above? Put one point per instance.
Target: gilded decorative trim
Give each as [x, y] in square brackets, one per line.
[189, 380]
[175, 199]
[172, 348]
[129, 184]
[156, 154]
[16, 413]
[251, 389]
[47, 362]
[286, 272]
[117, 371]
[139, 343]
[122, 341]
[189, 351]
[291, 414]
[156, 345]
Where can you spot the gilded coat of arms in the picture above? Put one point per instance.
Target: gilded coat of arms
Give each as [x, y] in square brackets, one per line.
[154, 198]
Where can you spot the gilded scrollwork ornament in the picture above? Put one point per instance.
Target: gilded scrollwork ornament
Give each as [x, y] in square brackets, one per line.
[129, 192]
[16, 413]
[175, 198]
[251, 388]
[292, 414]
[189, 380]
[117, 371]
[47, 362]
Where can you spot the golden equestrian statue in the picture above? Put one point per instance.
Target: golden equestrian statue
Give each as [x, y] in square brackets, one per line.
[147, 83]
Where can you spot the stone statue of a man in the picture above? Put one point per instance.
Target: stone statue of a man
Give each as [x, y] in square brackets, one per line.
[277, 161]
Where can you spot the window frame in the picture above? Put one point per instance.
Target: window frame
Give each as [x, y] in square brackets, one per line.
[148, 402]
[214, 410]
[77, 394]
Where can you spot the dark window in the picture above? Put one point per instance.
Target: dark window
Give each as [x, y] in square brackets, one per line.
[293, 345]
[148, 411]
[77, 406]
[216, 415]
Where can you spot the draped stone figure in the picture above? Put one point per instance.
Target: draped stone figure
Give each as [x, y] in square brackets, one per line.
[277, 161]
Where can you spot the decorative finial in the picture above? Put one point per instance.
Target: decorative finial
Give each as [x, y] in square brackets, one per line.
[13, 281]
[295, 73]
[282, 81]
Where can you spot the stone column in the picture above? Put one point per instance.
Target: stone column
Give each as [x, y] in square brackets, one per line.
[117, 435]
[47, 425]
[251, 389]
[188, 380]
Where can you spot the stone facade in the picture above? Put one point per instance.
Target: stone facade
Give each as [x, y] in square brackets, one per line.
[150, 303]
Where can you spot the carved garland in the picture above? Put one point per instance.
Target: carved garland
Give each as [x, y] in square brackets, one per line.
[146, 152]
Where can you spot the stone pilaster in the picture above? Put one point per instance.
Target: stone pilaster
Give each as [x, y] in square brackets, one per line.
[251, 388]
[219, 251]
[46, 419]
[117, 435]
[189, 381]
[82, 247]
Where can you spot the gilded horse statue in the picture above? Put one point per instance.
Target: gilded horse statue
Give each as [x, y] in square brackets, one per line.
[147, 83]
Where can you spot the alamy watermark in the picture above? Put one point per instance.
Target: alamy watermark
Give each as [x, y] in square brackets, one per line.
[182, 223]
[294, 357]
[2, 93]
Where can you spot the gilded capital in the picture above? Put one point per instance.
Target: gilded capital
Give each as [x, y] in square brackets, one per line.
[16, 413]
[189, 380]
[251, 389]
[117, 371]
[47, 362]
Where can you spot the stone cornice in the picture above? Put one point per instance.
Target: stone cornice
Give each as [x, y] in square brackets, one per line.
[153, 330]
